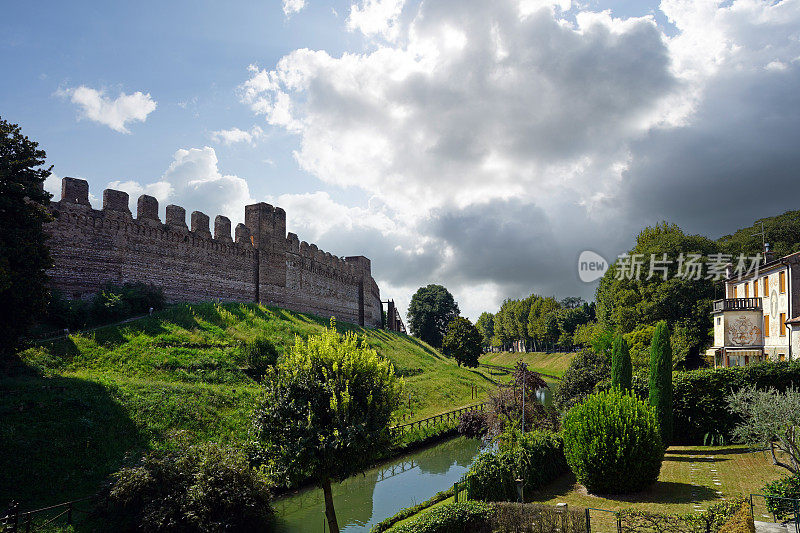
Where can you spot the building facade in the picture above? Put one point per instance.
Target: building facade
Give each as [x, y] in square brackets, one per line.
[759, 318]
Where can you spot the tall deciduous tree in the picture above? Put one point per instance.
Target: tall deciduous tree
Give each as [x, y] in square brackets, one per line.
[24, 256]
[463, 342]
[430, 311]
[661, 380]
[621, 368]
[485, 325]
[325, 411]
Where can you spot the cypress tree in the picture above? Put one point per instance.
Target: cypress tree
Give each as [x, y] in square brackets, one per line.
[661, 380]
[621, 368]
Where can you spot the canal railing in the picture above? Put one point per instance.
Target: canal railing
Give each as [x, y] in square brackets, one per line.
[15, 521]
[509, 370]
[448, 417]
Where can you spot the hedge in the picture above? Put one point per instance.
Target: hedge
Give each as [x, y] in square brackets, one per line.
[741, 522]
[385, 524]
[538, 457]
[709, 521]
[700, 408]
[451, 518]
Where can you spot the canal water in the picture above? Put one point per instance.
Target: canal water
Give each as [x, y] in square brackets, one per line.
[364, 500]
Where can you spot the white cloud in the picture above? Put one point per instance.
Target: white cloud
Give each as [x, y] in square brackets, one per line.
[235, 135]
[194, 181]
[485, 129]
[117, 113]
[376, 17]
[290, 7]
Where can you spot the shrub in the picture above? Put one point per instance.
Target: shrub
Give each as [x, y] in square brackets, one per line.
[472, 424]
[387, 523]
[72, 314]
[585, 371]
[536, 457]
[451, 518]
[709, 521]
[621, 369]
[785, 487]
[740, 522]
[200, 488]
[117, 302]
[660, 384]
[259, 354]
[612, 443]
[505, 404]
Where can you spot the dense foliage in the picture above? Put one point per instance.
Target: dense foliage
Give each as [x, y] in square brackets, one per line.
[660, 380]
[625, 302]
[325, 411]
[585, 372]
[463, 342]
[700, 397]
[540, 323]
[709, 521]
[112, 303]
[473, 424]
[201, 488]
[451, 518]
[485, 325]
[24, 255]
[536, 457]
[785, 487]
[740, 522]
[621, 368]
[387, 523]
[612, 443]
[431, 309]
[536, 518]
[770, 419]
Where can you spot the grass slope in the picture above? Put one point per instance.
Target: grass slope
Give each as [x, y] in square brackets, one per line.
[80, 407]
[549, 363]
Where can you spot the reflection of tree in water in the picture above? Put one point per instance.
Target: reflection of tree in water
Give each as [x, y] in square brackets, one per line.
[439, 459]
[352, 500]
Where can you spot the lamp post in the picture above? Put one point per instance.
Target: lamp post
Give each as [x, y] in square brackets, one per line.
[519, 483]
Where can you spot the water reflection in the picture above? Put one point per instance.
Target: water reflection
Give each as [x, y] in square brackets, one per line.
[362, 501]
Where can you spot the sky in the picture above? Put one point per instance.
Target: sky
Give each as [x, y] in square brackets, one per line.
[482, 145]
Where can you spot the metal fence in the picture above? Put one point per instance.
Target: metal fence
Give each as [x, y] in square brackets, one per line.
[62, 513]
[449, 416]
[777, 509]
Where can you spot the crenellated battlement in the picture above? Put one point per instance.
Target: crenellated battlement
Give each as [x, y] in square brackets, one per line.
[259, 262]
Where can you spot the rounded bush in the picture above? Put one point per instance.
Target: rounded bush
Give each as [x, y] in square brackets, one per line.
[612, 443]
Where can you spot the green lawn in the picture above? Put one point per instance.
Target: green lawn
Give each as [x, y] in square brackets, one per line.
[80, 407]
[549, 363]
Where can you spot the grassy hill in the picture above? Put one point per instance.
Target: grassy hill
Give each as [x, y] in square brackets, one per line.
[549, 363]
[79, 407]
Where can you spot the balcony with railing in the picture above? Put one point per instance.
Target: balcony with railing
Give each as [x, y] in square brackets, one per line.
[737, 304]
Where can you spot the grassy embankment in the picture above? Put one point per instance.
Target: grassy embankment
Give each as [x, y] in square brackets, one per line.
[82, 406]
[549, 363]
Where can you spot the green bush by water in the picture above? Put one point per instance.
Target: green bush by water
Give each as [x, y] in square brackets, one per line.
[462, 517]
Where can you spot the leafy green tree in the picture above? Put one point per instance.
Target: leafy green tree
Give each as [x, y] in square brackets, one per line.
[24, 256]
[627, 303]
[621, 368]
[660, 383]
[770, 419]
[325, 411]
[585, 371]
[430, 311]
[463, 342]
[485, 325]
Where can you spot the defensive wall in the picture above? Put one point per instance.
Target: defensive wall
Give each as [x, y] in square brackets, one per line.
[260, 262]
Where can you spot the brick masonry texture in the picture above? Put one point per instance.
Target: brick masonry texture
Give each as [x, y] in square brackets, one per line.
[91, 248]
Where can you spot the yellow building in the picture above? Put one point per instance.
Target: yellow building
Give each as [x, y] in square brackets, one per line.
[759, 319]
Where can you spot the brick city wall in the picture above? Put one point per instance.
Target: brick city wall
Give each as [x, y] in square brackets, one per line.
[260, 262]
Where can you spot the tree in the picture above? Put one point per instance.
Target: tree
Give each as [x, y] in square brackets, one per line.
[485, 325]
[430, 311]
[625, 304]
[463, 342]
[770, 419]
[325, 411]
[24, 257]
[660, 383]
[621, 368]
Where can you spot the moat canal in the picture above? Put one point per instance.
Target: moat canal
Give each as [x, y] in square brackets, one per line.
[364, 500]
